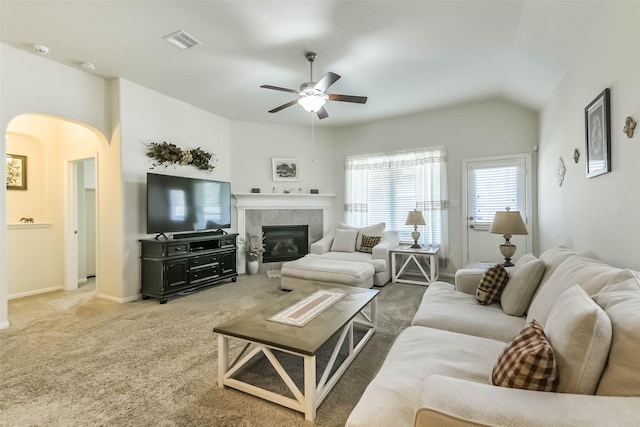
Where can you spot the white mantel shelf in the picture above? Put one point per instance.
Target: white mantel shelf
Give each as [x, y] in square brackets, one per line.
[259, 201]
[283, 201]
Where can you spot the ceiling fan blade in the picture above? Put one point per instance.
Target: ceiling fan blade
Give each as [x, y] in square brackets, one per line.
[326, 81]
[322, 113]
[347, 98]
[283, 89]
[283, 106]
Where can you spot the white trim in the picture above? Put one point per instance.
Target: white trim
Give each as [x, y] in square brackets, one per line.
[22, 226]
[35, 292]
[116, 299]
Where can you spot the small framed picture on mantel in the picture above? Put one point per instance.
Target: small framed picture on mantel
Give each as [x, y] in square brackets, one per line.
[598, 135]
[285, 169]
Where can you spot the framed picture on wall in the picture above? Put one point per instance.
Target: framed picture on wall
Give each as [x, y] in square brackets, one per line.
[598, 135]
[285, 169]
[16, 172]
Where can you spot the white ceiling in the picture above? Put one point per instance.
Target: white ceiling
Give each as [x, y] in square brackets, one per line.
[406, 56]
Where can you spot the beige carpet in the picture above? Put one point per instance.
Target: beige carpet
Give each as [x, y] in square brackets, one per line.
[69, 359]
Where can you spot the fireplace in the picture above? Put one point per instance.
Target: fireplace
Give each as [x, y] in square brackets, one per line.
[284, 242]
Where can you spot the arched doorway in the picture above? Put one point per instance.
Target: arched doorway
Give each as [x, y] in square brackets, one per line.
[43, 216]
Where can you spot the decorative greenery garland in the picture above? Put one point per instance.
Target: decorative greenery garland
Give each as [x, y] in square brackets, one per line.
[164, 154]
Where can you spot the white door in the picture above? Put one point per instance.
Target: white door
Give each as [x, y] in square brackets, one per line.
[493, 184]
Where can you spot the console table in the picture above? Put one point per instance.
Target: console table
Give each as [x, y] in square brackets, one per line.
[413, 255]
[179, 265]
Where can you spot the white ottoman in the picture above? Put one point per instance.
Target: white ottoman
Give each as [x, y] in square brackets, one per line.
[300, 272]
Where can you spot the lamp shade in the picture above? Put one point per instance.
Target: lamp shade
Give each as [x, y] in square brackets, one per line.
[508, 222]
[415, 218]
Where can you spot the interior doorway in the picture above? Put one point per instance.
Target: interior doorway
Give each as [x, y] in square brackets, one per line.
[82, 215]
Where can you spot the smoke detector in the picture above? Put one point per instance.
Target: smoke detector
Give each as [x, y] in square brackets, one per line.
[89, 66]
[42, 50]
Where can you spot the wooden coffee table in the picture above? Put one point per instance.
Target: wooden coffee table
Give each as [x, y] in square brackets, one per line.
[260, 335]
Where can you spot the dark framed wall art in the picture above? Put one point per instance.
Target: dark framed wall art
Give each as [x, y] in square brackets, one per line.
[16, 172]
[597, 118]
[285, 170]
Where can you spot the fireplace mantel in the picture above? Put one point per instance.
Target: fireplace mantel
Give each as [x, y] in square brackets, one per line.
[283, 201]
[278, 201]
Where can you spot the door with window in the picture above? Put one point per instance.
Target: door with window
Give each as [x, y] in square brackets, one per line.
[491, 185]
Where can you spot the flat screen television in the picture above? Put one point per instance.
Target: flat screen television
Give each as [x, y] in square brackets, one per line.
[178, 204]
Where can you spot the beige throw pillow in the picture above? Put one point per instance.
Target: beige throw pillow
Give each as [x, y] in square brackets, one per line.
[621, 376]
[580, 333]
[344, 241]
[527, 362]
[491, 284]
[370, 230]
[524, 279]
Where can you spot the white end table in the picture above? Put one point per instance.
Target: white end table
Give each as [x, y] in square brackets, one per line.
[428, 254]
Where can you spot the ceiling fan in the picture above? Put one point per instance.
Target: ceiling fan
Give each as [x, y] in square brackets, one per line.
[312, 95]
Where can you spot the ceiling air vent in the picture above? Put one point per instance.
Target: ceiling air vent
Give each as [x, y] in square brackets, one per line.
[182, 40]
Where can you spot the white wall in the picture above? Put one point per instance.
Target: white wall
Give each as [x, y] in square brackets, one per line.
[599, 213]
[255, 144]
[480, 129]
[147, 116]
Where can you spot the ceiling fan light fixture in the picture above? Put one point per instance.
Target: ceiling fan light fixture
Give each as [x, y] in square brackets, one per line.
[312, 102]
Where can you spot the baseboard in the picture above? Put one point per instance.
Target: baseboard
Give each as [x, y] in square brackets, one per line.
[116, 299]
[35, 292]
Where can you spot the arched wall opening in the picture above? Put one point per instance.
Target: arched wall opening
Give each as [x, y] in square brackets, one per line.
[39, 252]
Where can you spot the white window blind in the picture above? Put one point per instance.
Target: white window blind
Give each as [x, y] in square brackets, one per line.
[494, 190]
[384, 188]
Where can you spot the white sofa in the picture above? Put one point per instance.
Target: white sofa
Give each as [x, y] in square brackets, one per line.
[438, 371]
[379, 258]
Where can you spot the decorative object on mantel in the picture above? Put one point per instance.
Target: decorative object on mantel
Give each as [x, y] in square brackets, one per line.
[598, 135]
[16, 172]
[255, 190]
[315, 191]
[164, 154]
[27, 220]
[629, 126]
[576, 155]
[560, 171]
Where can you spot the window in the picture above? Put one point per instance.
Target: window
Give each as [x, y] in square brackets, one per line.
[493, 189]
[385, 187]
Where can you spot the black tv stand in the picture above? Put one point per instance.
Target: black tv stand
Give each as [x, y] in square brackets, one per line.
[159, 235]
[171, 267]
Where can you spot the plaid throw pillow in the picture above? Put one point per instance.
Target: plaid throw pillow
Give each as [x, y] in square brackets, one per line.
[491, 285]
[527, 362]
[368, 242]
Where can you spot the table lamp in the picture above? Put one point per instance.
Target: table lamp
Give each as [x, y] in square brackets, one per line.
[508, 223]
[415, 218]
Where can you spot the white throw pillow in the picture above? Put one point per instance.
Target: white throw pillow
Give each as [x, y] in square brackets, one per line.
[620, 300]
[580, 333]
[375, 230]
[590, 273]
[524, 279]
[344, 241]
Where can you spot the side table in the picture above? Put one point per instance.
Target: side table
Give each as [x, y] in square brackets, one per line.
[428, 254]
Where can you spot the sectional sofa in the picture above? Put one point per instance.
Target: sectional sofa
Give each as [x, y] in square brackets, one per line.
[438, 371]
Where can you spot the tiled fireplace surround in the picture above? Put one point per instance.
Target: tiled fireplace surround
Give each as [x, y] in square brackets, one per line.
[258, 209]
